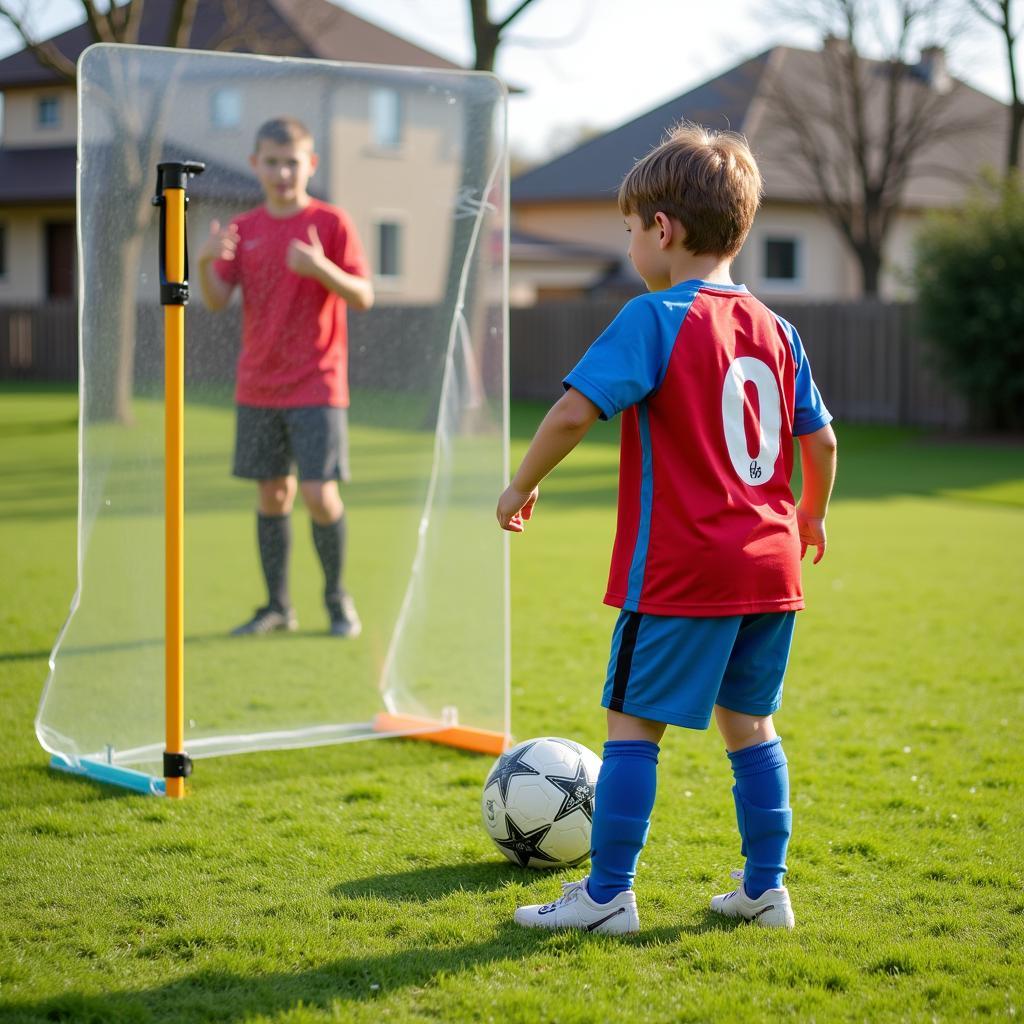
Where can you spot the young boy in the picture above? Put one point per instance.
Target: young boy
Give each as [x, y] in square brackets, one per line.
[706, 563]
[299, 264]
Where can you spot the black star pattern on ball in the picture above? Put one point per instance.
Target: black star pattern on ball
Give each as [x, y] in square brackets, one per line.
[524, 845]
[578, 793]
[509, 765]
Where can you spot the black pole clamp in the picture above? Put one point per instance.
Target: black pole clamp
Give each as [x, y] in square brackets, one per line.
[173, 174]
[177, 766]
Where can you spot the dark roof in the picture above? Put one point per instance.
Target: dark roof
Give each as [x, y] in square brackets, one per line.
[595, 169]
[43, 175]
[47, 175]
[746, 99]
[292, 28]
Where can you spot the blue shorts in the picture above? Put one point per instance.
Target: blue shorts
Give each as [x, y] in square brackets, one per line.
[675, 670]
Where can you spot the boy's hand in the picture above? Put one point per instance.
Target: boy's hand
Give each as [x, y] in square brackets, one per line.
[515, 507]
[306, 258]
[221, 245]
[812, 534]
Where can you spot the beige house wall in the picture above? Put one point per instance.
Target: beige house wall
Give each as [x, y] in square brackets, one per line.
[413, 185]
[827, 269]
[25, 279]
[597, 224]
[21, 111]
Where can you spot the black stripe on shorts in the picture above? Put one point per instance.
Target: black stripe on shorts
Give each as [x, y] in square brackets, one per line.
[624, 663]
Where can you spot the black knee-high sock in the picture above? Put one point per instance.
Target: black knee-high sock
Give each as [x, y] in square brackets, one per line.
[330, 546]
[274, 534]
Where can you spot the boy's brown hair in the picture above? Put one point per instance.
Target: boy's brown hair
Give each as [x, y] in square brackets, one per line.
[282, 130]
[706, 180]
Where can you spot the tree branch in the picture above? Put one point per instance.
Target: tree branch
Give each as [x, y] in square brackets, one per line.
[45, 52]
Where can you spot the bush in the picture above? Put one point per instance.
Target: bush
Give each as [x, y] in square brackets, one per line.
[970, 280]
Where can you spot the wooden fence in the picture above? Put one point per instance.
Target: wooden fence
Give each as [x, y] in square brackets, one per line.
[868, 358]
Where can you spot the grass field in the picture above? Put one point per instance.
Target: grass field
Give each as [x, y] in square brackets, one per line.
[354, 883]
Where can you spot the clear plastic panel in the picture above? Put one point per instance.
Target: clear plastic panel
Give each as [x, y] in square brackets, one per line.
[417, 159]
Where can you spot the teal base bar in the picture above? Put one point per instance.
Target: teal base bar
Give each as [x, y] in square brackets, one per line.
[112, 774]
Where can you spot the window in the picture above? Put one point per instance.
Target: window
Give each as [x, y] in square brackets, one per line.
[48, 112]
[389, 249]
[782, 260]
[386, 118]
[226, 108]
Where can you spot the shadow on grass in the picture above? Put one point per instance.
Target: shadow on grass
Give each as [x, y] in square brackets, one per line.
[225, 996]
[131, 645]
[427, 884]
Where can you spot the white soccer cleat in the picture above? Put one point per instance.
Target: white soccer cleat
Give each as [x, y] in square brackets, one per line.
[771, 909]
[575, 909]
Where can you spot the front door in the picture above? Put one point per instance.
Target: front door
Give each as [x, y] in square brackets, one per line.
[60, 260]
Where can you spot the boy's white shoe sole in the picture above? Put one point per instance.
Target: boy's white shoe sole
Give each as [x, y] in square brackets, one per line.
[772, 909]
[575, 909]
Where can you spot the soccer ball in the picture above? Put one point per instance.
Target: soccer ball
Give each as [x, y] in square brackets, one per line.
[538, 802]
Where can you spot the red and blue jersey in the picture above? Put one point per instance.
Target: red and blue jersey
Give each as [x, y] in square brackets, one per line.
[713, 386]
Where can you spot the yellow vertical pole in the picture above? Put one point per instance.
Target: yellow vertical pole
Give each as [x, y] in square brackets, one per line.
[171, 183]
[174, 486]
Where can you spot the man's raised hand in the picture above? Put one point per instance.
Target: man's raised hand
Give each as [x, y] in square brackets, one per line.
[305, 258]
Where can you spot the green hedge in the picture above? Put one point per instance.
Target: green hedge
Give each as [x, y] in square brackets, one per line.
[970, 278]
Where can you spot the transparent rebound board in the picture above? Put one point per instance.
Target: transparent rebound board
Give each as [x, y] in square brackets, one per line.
[417, 159]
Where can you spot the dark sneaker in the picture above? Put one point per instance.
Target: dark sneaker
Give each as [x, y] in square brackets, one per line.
[267, 620]
[344, 618]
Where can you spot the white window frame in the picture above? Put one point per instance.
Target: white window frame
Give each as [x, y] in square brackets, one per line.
[386, 104]
[234, 93]
[49, 103]
[795, 283]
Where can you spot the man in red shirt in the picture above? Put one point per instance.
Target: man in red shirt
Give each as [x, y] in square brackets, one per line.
[300, 265]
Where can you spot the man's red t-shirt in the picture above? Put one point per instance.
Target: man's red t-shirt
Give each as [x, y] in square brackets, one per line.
[294, 331]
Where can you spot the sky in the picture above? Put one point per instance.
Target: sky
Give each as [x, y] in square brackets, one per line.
[595, 64]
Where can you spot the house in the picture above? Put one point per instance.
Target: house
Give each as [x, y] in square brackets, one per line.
[794, 251]
[380, 141]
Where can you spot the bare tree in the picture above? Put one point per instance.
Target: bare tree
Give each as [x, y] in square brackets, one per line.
[856, 130]
[107, 23]
[132, 158]
[1000, 14]
[487, 34]
[458, 303]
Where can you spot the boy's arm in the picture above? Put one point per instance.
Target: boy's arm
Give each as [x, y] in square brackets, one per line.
[221, 245]
[308, 259]
[818, 463]
[562, 429]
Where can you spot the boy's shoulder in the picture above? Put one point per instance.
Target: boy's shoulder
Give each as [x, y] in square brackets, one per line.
[323, 210]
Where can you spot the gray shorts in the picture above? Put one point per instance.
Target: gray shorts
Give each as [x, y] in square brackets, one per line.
[272, 442]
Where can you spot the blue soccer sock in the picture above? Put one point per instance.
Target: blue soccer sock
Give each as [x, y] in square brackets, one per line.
[762, 813]
[623, 801]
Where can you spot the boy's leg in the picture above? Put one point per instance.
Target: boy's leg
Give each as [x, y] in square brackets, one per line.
[327, 512]
[751, 691]
[262, 454]
[274, 540]
[623, 801]
[274, 534]
[319, 438]
[761, 793]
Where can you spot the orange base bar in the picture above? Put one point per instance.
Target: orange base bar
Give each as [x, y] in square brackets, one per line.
[483, 741]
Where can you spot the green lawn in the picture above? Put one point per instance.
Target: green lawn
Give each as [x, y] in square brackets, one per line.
[355, 883]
